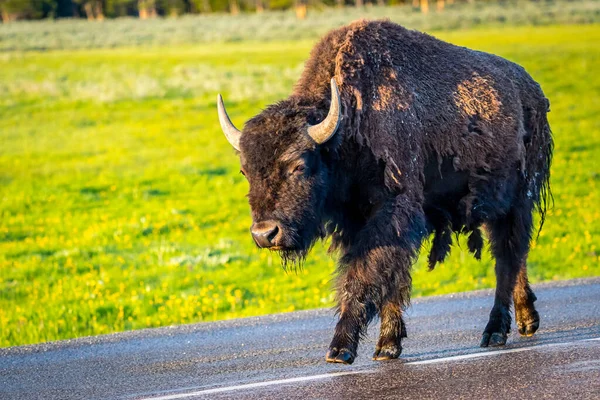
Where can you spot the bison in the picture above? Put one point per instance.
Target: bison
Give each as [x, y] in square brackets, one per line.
[391, 136]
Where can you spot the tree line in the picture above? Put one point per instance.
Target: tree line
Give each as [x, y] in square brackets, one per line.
[99, 9]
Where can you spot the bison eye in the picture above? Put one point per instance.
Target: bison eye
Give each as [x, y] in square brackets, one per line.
[299, 169]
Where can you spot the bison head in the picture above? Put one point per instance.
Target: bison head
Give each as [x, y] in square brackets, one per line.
[282, 155]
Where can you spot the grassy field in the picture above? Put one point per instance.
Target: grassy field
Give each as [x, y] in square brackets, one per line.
[121, 205]
[283, 25]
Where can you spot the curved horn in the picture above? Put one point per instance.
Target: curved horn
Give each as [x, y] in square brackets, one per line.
[324, 131]
[231, 132]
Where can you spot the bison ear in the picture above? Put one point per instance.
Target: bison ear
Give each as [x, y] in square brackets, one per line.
[231, 132]
[325, 130]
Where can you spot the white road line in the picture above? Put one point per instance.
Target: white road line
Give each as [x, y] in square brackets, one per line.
[368, 371]
[259, 384]
[473, 355]
[495, 352]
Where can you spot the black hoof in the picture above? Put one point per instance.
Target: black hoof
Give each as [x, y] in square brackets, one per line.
[493, 339]
[342, 356]
[387, 353]
[529, 327]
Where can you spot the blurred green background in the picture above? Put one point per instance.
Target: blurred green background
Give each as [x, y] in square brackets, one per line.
[121, 205]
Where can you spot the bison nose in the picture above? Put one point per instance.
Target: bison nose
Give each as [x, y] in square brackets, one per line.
[265, 233]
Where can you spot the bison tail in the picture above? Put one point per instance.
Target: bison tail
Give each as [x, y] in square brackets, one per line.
[538, 160]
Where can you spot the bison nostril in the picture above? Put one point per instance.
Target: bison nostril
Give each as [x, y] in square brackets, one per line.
[273, 234]
[265, 233]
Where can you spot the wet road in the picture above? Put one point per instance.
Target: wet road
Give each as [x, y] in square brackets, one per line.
[282, 356]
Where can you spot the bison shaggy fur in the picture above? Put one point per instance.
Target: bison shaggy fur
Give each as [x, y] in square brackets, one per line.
[434, 140]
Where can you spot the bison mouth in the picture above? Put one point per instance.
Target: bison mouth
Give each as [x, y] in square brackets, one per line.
[293, 249]
[292, 259]
[292, 242]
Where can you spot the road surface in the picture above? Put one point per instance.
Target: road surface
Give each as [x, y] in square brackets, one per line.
[282, 357]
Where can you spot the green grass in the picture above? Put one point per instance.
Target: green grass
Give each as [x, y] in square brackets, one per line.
[121, 205]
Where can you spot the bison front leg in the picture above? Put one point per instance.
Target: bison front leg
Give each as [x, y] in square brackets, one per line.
[393, 330]
[358, 305]
[374, 276]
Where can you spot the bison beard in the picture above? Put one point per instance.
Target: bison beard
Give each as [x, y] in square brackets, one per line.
[423, 138]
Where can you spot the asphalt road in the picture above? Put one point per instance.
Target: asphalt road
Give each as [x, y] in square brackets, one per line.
[282, 356]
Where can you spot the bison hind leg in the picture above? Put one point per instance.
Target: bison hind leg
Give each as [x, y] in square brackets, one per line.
[510, 236]
[526, 316]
